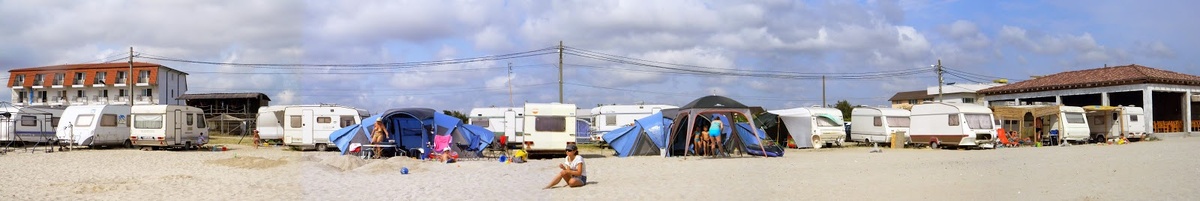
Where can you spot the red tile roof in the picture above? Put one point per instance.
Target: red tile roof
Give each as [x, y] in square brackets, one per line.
[86, 66]
[1098, 77]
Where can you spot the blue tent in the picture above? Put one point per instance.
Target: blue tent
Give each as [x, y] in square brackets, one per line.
[473, 138]
[410, 129]
[754, 146]
[645, 137]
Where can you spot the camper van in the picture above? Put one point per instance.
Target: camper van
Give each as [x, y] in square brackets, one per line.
[269, 122]
[954, 124]
[610, 117]
[28, 124]
[501, 120]
[1109, 122]
[876, 125]
[308, 126]
[165, 126]
[823, 126]
[94, 125]
[551, 127]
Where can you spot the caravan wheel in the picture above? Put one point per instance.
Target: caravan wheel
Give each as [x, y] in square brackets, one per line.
[128, 144]
[935, 145]
[817, 143]
[838, 142]
[322, 147]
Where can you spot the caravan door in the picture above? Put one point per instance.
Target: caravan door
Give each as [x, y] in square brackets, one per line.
[306, 131]
[176, 135]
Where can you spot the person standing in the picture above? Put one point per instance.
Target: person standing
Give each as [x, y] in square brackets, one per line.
[377, 135]
[714, 133]
[573, 170]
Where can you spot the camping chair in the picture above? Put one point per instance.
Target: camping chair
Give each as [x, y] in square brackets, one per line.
[499, 147]
[440, 143]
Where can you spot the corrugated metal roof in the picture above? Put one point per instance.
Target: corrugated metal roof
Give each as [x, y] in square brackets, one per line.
[223, 96]
[1098, 77]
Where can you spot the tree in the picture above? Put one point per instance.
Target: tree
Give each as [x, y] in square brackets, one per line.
[456, 114]
[845, 107]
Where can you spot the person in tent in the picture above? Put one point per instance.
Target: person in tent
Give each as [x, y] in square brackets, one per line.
[377, 136]
[573, 170]
[714, 134]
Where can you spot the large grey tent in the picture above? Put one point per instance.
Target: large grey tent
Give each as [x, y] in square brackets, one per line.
[698, 112]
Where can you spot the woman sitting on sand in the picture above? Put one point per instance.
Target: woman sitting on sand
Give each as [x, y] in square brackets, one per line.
[572, 170]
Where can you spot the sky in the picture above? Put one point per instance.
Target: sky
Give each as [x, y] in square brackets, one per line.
[724, 39]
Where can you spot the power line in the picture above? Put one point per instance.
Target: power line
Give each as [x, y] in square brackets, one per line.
[363, 72]
[738, 72]
[360, 66]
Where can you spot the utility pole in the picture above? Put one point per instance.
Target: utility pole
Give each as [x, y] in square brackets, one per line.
[940, 80]
[511, 103]
[129, 76]
[823, 103]
[560, 72]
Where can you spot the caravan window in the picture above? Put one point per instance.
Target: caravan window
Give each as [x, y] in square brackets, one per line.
[898, 122]
[324, 120]
[54, 121]
[108, 120]
[979, 121]
[347, 120]
[203, 123]
[952, 119]
[550, 123]
[294, 121]
[148, 121]
[1133, 118]
[190, 118]
[27, 120]
[481, 122]
[84, 120]
[610, 120]
[1074, 118]
[879, 121]
[826, 122]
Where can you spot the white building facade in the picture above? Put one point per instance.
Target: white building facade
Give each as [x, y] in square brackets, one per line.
[97, 84]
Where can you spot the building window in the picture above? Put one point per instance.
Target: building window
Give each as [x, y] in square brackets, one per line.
[20, 79]
[120, 93]
[79, 93]
[37, 79]
[42, 96]
[58, 78]
[143, 76]
[104, 93]
[968, 100]
[21, 96]
[913, 102]
[78, 78]
[99, 78]
[121, 77]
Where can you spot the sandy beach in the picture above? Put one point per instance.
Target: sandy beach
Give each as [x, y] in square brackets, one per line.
[1160, 170]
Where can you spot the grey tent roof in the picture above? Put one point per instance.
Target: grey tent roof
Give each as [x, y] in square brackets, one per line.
[714, 101]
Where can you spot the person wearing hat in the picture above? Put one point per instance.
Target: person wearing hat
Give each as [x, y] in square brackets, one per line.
[377, 136]
[573, 170]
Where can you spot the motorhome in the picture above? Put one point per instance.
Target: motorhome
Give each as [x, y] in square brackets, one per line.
[551, 126]
[1110, 122]
[269, 122]
[94, 125]
[501, 120]
[309, 126]
[955, 124]
[163, 126]
[1067, 122]
[820, 126]
[610, 117]
[877, 125]
[28, 124]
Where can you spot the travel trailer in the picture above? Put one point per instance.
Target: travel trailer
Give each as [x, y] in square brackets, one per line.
[876, 125]
[94, 126]
[501, 120]
[1067, 121]
[28, 124]
[551, 126]
[168, 126]
[309, 126]
[955, 124]
[823, 126]
[1110, 122]
[610, 117]
[269, 122]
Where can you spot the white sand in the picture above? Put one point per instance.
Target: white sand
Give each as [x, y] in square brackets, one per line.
[1163, 170]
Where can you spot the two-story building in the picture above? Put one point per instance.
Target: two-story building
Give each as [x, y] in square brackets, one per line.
[951, 93]
[97, 84]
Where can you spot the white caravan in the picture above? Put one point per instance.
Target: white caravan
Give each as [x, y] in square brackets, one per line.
[501, 120]
[610, 117]
[552, 127]
[168, 126]
[965, 125]
[1068, 121]
[876, 125]
[94, 125]
[817, 125]
[308, 126]
[1109, 122]
[28, 124]
[269, 122]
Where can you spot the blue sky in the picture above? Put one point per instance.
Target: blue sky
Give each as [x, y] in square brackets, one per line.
[1011, 39]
